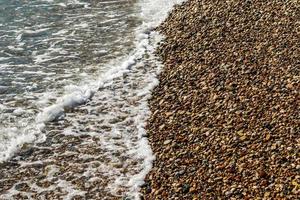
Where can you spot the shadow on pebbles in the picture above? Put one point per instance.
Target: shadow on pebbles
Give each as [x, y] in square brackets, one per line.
[225, 117]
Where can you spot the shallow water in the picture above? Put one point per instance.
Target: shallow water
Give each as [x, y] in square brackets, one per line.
[46, 46]
[74, 84]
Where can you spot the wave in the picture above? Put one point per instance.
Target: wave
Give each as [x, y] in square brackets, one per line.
[136, 66]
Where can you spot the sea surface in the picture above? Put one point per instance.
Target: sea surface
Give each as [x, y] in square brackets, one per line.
[78, 68]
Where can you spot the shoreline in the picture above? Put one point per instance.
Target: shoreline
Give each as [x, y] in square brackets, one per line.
[225, 119]
[99, 149]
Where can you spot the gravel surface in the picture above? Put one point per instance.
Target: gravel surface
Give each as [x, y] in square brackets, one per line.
[225, 117]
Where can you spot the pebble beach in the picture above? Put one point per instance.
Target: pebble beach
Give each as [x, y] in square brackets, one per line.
[222, 120]
[225, 116]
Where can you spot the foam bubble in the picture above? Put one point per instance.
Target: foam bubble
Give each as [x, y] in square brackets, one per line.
[51, 113]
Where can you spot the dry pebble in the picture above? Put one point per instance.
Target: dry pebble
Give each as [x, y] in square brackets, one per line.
[225, 116]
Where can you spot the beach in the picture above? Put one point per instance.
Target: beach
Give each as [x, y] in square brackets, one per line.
[225, 116]
[135, 100]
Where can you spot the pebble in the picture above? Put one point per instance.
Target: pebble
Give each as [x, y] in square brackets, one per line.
[167, 142]
[229, 99]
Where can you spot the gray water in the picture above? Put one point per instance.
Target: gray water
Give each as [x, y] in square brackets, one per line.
[44, 42]
[47, 45]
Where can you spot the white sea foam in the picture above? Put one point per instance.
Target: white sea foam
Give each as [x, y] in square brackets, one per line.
[131, 140]
[50, 113]
[76, 96]
[14, 138]
[19, 112]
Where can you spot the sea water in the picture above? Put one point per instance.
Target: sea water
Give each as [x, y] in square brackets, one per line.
[57, 56]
